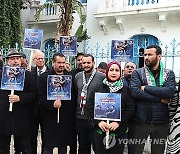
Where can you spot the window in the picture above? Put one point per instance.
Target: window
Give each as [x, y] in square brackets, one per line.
[83, 1]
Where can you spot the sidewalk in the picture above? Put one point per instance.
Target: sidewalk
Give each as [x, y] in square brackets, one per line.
[146, 151]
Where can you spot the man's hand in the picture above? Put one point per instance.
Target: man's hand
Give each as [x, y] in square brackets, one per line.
[57, 104]
[142, 88]
[165, 100]
[113, 126]
[104, 126]
[14, 98]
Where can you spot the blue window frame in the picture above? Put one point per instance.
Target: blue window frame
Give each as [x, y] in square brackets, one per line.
[83, 1]
[140, 44]
[49, 43]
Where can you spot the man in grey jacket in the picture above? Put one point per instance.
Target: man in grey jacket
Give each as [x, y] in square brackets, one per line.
[85, 82]
[151, 87]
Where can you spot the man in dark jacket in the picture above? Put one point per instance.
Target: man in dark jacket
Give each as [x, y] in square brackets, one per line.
[73, 148]
[85, 83]
[56, 134]
[79, 64]
[151, 87]
[40, 68]
[128, 70]
[16, 122]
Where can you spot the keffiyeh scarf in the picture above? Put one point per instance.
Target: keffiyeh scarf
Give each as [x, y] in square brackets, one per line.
[84, 91]
[151, 79]
[113, 86]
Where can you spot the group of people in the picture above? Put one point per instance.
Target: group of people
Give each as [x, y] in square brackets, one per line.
[145, 95]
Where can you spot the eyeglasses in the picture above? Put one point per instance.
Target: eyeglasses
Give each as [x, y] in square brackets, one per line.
[39, 58]
[128, 66]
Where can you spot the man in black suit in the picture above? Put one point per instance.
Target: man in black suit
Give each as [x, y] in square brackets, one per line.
[40, 68]
[16, 122]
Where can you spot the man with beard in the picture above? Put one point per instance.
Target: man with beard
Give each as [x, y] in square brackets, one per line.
[128, 70]
[85, 82]
[17, 122]
[151, 87]
[56, 134]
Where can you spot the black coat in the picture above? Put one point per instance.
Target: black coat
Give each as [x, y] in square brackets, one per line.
[17, 122]
[55, 134]
[127, 106]
[35, 106]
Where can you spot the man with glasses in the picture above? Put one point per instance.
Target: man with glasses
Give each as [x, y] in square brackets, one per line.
[128, 70]
[39, 61]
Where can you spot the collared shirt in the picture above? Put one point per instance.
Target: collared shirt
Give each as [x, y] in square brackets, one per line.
[42, 70]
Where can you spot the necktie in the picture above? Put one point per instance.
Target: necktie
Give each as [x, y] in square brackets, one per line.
[39, 72]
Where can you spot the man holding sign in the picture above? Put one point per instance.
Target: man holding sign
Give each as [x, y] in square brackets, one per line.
[57, 112]
[16, 121]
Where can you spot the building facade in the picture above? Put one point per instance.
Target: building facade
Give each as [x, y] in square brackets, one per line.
[145, 21]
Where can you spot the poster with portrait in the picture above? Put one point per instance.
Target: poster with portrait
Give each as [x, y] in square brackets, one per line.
[68, 45]
[107, 106]
[33, 38]
[13, 78]
[59, 87]
[122, 50]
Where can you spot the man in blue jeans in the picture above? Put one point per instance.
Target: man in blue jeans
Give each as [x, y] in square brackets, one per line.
[151, 87]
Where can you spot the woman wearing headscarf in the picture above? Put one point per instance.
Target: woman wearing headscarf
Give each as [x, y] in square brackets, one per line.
[117, 130]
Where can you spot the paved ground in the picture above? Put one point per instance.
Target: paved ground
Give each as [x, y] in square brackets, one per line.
[146, 151]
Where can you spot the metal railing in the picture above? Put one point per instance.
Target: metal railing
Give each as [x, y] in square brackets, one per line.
[142, 2]
[170, 54]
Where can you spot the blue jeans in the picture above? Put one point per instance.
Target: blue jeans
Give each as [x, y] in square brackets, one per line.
[140, 132]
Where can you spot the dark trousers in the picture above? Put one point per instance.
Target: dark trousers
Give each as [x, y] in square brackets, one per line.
[62, 150]
[115, 147]
[23, 140]
[158, 135]
[17, 145]
[85, 136]
[73, 148]
[36, 122]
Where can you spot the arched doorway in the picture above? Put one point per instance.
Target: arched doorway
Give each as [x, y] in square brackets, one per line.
[140, 43]
[49, 44]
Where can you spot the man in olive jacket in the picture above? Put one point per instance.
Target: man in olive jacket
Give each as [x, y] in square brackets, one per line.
[16, 122]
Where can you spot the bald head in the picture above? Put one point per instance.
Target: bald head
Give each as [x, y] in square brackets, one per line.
[38, 59]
